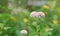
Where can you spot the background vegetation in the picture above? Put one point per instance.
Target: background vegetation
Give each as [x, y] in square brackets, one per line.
[15, 19]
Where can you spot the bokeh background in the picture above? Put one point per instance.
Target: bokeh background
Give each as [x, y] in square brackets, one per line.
[29, 17]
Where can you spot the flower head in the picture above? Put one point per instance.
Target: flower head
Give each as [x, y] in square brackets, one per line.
[23, 32]
[41, 14]
[45, 7]
[25, 20]
[55, 21]
[34, 14]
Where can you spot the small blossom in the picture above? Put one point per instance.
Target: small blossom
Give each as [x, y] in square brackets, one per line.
[41, 14]
[45, 7]
[55, 21]
[34, 14]
[25, 20]
[48, 29]
[23, 32]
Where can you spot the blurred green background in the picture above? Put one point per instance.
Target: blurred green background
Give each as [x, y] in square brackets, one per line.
[15, 19]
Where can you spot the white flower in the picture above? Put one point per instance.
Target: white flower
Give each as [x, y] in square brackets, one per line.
[41, 14]
[34, 14]
[23, 32]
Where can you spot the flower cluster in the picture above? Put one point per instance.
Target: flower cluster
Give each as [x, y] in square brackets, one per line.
[37, 14]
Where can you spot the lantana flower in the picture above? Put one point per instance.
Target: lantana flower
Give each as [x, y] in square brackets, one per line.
[26, 20]
[23, 32]
[55, 21]
[47, 7]
[34, 14]
[41, 14]
[37, 14]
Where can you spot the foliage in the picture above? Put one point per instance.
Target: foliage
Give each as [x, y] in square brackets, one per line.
[18, 21]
